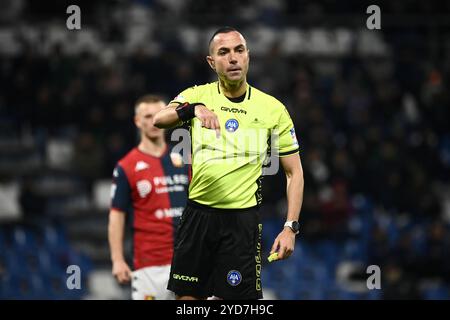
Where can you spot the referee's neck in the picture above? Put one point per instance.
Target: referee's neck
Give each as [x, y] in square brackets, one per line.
[232, 90]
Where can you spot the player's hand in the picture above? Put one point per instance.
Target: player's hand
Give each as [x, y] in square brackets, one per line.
[121, 271]
[208, 118]
[284, 244]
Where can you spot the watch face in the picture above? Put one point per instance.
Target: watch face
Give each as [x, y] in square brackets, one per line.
[295, 226]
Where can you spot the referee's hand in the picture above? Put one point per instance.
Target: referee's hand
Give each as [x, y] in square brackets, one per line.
[284, 244]
[121, 271]
[208, 118]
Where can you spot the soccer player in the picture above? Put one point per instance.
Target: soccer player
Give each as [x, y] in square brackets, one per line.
[150, 183]
[218, 242]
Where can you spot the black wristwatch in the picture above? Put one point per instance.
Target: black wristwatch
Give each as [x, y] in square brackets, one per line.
[294, 225]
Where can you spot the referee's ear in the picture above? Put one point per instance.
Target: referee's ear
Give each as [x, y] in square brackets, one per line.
[211, 62]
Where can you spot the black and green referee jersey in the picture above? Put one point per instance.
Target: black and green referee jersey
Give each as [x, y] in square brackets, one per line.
[226, 170]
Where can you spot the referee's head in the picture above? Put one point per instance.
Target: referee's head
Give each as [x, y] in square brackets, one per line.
[229, 55]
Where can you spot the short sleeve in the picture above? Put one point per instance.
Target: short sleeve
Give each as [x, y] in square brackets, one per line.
[287, 139]
[120, 191]
[189, 95]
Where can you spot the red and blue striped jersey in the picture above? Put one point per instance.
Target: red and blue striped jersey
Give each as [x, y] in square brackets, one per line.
[154, 191]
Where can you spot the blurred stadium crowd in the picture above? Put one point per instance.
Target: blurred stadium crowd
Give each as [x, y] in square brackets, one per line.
[371, 110]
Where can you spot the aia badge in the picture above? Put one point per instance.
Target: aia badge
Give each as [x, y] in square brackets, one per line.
[234, 277]
[294, 137]
[177, 159]
[231, 125]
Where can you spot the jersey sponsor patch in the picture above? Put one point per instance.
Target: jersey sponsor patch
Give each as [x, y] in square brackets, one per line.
[141, 165]
[169, 213]
[144, 187]
[234, 277]
[294, 137]
[171, 180]
[231, 125]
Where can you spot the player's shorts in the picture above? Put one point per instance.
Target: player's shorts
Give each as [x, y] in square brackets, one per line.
[217, 253]
[150, 283]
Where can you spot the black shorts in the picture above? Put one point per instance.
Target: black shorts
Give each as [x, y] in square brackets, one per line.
[217, 253]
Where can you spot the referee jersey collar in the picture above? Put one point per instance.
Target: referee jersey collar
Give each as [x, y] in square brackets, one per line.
[248, 91]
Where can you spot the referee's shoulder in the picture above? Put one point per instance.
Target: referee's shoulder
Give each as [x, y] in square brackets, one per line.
[203, 87]
[269, 99]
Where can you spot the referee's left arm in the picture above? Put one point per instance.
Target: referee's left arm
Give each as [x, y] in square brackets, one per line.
[285, 242]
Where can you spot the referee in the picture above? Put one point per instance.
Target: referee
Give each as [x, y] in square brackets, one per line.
[218, 243]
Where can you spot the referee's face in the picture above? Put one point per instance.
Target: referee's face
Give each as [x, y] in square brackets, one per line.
[229, 56]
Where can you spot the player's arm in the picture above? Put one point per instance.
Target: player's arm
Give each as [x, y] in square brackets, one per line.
[116, 227]
[285, 242]
[176, 113]
[121, 199]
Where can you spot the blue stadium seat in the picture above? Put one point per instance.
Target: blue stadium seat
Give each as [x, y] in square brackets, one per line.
[38, 287]
[271, 228]
[393, 233]
[49, 263]
[436, 293]
[419, 241]
[353, 250]
[18, 287]
[303, 252]
[374, 294]
[24, 240]
[55, 238]
[80, 260]
[16, 263]
[332, 293]
[286, 294]
[330, 252]
[344, 294]
[315, 272]
[314, 293]
[57, 287]
[348, 295]
[267, 279]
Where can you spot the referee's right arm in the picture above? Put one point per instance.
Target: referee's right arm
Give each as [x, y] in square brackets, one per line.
[167, 117]
[170, 117]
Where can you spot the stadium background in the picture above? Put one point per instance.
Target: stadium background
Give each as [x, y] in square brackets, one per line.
[371, 110]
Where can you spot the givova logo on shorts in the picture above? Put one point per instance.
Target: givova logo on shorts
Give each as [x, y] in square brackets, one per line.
[184, 278]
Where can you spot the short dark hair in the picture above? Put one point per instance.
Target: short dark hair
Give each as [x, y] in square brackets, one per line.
[225, 29]
[148, 98]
